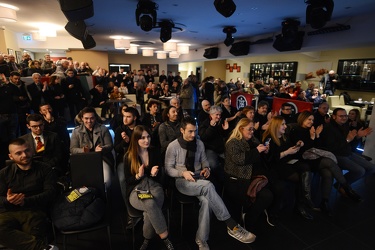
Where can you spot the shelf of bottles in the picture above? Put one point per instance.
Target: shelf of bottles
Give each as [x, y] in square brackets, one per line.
[356, 74]
[276, 70]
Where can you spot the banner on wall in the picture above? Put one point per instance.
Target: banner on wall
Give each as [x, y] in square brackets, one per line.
[298, 106]
[241, 100]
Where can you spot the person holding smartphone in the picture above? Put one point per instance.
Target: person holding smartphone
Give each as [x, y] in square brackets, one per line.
[283, 165]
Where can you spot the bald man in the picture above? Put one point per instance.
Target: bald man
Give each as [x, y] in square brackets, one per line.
[328, 83]
[205, 111]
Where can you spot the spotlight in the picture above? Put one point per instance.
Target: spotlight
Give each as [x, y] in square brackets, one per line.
[145, 14]
[291, 38]
[229, 39]
[225, 7]
[318, 12]
[166, 30]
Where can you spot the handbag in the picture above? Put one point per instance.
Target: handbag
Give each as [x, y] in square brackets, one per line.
[143, 190]
[257, 183]
[315, 153]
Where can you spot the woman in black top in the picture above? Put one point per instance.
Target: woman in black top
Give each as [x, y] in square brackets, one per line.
[143, 175]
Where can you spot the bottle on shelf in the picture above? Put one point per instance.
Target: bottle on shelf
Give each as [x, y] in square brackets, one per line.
[345, 68]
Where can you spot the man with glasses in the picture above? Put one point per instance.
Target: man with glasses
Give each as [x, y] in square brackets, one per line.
[45, 145]
[336, 138]
[288, 113]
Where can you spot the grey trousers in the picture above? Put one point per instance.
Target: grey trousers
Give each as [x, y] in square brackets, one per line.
[154, 221]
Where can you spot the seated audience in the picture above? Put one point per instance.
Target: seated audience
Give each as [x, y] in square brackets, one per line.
[27, 189]
[229, 113]
[355, 123]
[242, 165]
[45, 145]
[186, 161]
[143, 171]
[204, 112]
[91, 136]
[287, 113]
[321, 115]
[284, 166]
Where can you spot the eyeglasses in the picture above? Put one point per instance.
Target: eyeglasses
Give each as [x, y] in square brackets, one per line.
[37, 126]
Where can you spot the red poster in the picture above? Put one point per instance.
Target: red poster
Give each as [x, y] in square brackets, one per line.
[241, 100]
[298, 106]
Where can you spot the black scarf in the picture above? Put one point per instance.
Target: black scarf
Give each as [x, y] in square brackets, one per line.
[191, 147]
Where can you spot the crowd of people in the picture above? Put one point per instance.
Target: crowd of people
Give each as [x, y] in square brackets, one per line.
[238, 163]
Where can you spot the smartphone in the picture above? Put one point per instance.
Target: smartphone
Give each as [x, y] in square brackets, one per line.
[267, 142]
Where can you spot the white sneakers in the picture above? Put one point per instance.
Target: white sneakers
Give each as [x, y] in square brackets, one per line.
[241, 234]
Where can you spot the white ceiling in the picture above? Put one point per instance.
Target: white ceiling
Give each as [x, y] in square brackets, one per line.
[202, 24]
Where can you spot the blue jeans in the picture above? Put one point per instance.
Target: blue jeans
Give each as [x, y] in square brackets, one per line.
[356, 165]
[209, 201]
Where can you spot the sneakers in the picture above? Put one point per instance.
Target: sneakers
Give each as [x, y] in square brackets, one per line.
[202, 245]
[51, 247]
[241, 234]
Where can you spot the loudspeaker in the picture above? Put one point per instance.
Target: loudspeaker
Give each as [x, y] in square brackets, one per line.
[225, 7]
[77, 29]
[211, 53]
[240, 48]
[290, 43]
[89, 43]
[75, 10]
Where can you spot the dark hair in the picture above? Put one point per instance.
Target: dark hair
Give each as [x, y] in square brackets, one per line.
[286, 104]
[166, 112]
[18, 141]
[15, 73]
[337, 110]
[187, 120]
[224, 97]
[133, 111]
[34, 117]
[152, 102]
[263, 103]
[87, 110]
[247, 109]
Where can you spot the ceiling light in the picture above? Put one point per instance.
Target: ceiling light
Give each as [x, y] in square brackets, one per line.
[145, 14]
[122, 44]
[147, 52]
[161, 55]
[225, 7]
[174, 54]
[318, 12]
[170, 46]
[183, 48]
[8, 13]
[48, 32]
[38, 37]
[229, 40]
[166, 30]
[133, 50]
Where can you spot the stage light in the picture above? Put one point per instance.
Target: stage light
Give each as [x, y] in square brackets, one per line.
[145, 14]
[225, 7]
[291, 38]
[229, 40]
[318, 12]
[166, 30]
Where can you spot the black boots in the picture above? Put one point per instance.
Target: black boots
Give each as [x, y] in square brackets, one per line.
[145, 244]
[350, 192]
[324, 207]
[306, 189]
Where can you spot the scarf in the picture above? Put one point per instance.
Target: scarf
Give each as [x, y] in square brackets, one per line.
[191, 147]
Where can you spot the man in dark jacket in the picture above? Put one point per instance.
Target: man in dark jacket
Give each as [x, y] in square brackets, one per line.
[336, 138]
[27, 188]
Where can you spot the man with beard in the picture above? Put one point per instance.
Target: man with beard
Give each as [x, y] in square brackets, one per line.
[27, 188]
[263, 117]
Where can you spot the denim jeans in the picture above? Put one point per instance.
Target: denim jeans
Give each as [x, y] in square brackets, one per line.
[356, 165]
[23, 230]
[209, 201]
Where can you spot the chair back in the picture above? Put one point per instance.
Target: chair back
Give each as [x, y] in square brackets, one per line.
[87, 170]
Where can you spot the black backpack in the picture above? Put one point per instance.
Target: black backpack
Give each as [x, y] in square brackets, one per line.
[79, 214]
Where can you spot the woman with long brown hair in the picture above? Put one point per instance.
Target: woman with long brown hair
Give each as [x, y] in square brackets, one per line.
[143, 176]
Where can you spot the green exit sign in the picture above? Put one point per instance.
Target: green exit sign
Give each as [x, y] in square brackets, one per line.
[26, 37]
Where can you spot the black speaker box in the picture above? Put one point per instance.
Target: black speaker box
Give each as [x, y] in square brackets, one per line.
[89, 43]
[211, 53]
[77, 30]
[287, 44]
[240, 48]
[75, 10]
[225, 7]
